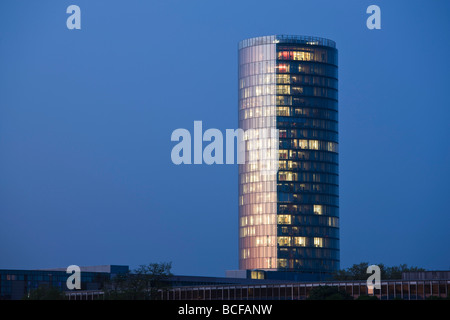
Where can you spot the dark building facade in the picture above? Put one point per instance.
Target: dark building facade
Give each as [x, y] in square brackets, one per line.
[289, 214]
[390, 290]
[17, 284]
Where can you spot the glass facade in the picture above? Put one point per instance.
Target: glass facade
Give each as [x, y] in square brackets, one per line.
[289, 217]
[390, 290]
[257, 184]
[15, 284]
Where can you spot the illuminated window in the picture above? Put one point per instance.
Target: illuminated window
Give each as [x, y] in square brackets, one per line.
[318, 209]
[262, 241]
[292, 165]
[283, 89]
[284, 219]
[333, 222]
[302, 56]
[284, 55]
[283, 154]
[282, 263]
[245, 253]
[284, 112]
[284, 241]
[303, 144]
[283, 78]
[332, 146]
[314, 144]
[284, 100]
[297, 90]
[257, 275]
[295, 55]
[283, 67]
[318, 242]
[287, 176]
[300, 241]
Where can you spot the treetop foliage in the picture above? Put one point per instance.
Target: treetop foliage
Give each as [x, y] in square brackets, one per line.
[359, 272]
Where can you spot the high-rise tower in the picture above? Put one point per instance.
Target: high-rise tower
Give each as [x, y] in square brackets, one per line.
[289, 218]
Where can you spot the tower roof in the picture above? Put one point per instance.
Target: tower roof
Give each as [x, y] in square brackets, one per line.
[283, 38]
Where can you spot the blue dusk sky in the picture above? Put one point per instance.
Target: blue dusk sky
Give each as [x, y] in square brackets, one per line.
[86, 117]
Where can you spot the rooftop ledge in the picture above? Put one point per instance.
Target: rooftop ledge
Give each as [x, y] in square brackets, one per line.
[283, 38]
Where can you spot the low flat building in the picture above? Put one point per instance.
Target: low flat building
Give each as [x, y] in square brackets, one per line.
[16, 284]
[223, 288]
[251, 285]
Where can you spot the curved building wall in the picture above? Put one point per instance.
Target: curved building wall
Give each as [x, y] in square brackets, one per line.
[257, 183]
[289, 220]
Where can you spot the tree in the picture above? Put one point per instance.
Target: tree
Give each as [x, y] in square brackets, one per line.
[328, 293]
[358, 272]
[395, 272]
[45, 293]
[143, 283]
[355, 272]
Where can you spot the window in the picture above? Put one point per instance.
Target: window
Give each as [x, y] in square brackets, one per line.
[295, 55]
[283, 112]
[284, 219]
[283, 67]
[333, 222]
[284, 55]
[257, 275]
[283, 78]
[292, 165]
[318, 242]
[318, 209]
[284, 100]
[287, 176]
[303, 144]
[297, 90]
[300, 241]
[261, 241]
[284, 241]
[302, 56]
[283, 89]
[314, 144]
[332, 147]
[282, 263]
[283, 154]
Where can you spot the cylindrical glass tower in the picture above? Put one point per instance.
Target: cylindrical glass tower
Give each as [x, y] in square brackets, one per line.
[288, 217]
